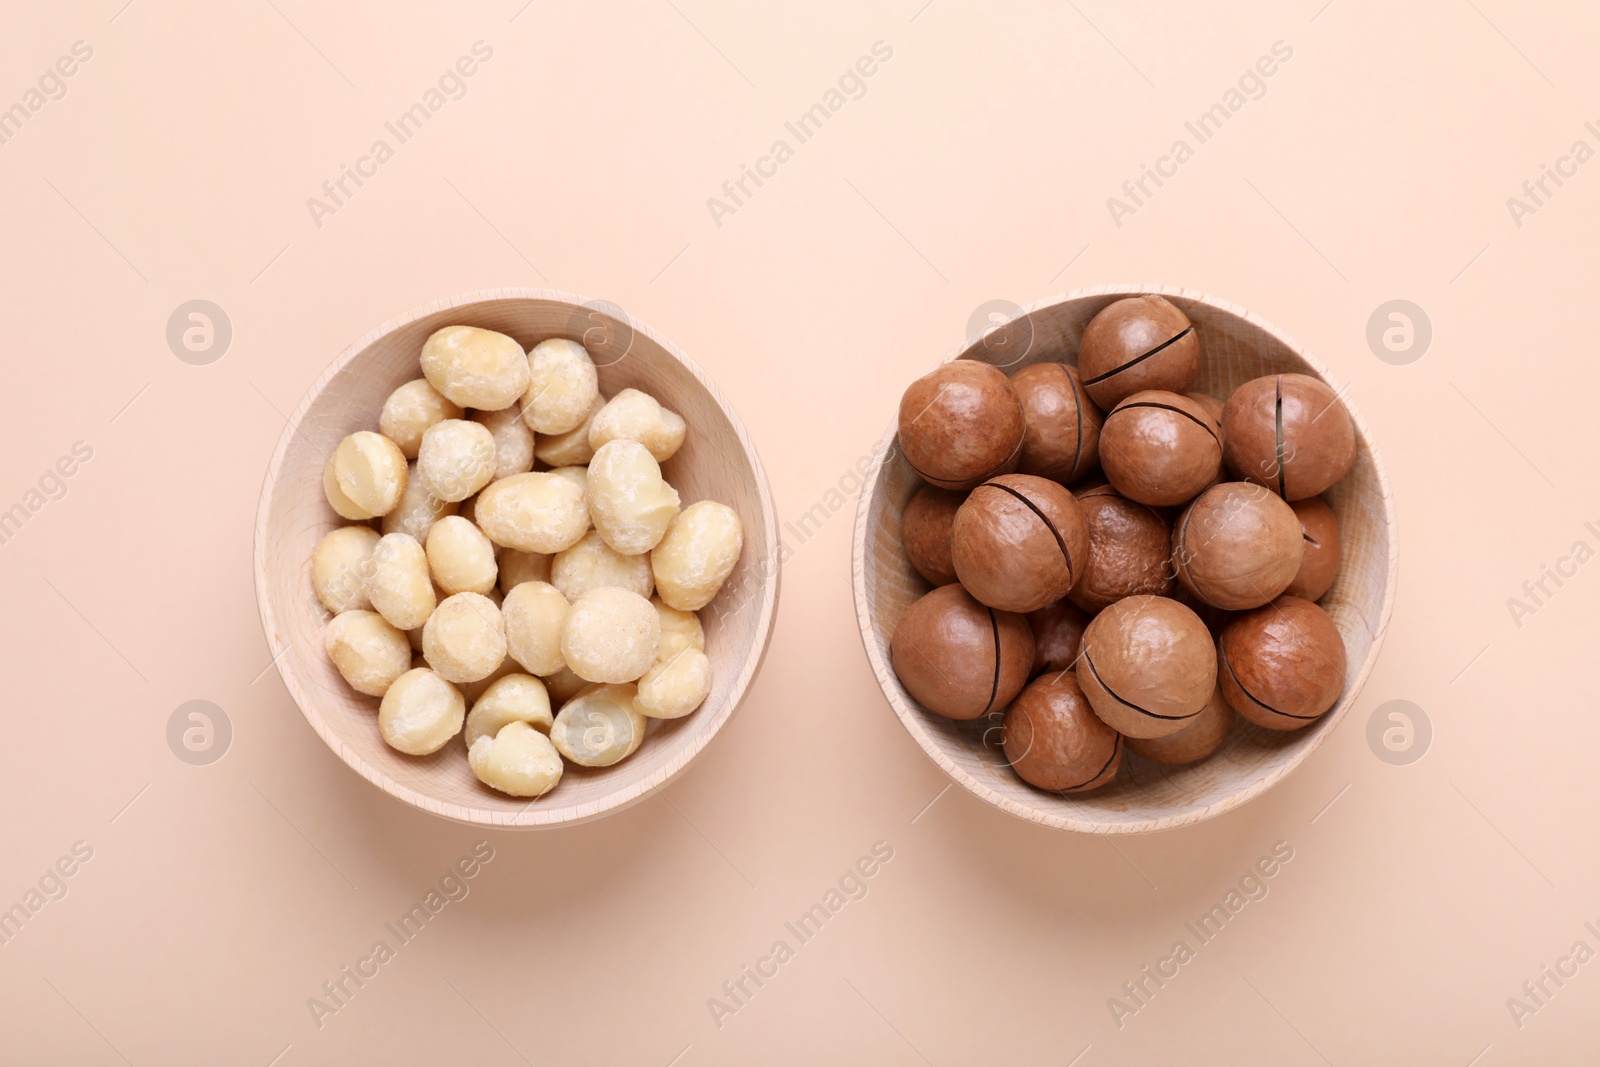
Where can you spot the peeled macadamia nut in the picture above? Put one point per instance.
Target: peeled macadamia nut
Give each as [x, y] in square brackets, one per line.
[1137, 343]
[1290, 433]
[418, 509]
[675, 686]
[961, 424]
[510, 698]
[611, 635]
[1237, 546]
[475, 368]
[518, 567]
[1061, 435]
[339, 568]
[944, 653]
[366, 476]
[1319, 562]
[513, 441]
[679, 630]
[1054, 739]
[465, 638]
[925, 531]
[410, 410]
[519, 761]
[635, 416]
[1018, 542]
[1282, 666]
[460, 557]
[420, 713]
[1202, 736]
[1130, 551]
[600, 726]
[1148, 666]
[1160, 448]
[533, 512]
[1057, 636]
[591, 564]
[369, 653]
[696, 555]
[398, 584]
[570, 448]
[561, 388]
[456, 459]
[629, 501]
[534, 613]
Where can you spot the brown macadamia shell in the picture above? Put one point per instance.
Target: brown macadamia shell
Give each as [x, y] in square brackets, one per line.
[1237, 546]
[1148, 666]
[1202, 736]
[944, 652]
[1160, 448]
[1054, 739]
[960, 424]
[1282, 666]
[1324, 549]
[925, 529]
[1057, 636]
[1061, 435]
[1130, 551]
[1290, 433]
[1018, 542]
[1137, 343]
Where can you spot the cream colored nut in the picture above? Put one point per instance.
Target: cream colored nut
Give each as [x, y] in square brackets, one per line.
[398, 585]
[366, 475]
[679, 630]
[591, 564]
[635, 416]
[675, 687]
[518, 761]
[610, 635]
[598, 727]
[534, 512]
[418, 509]
[697, 554]
[368, 652]
[571, 448]
[578, 476]
[475, 368]
[465, 638]
[457, 459]
[513, 698]
[562, 386]
[460, 558]
[534, 614]
[339, 568]
[473, 690]
[629, 501]
[420, 713]
[410, 410]
[563, 686]
[513, 441]
[518, 567]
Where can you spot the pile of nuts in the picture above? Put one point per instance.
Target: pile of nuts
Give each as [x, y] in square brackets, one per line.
[558, 602]
[1147, 605]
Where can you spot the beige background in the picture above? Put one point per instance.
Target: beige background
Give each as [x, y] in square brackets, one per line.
[976, 167]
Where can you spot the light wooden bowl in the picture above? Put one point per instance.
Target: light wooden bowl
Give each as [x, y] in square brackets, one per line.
[1146, 796]
[718, 461]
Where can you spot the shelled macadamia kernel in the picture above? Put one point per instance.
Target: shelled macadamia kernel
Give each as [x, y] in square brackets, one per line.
[398, 584]
[368, 652]
[339, 568]
[570, 448]
[610, 635]
[630, 503]
[534, 614]
[679, 629]
[420, 713]
[410, 410]
[562, 386]
[591, 564]
[366, 476]
[514, 698]
[697, 554]
[475, 368]
[457, 458]
[465, 637]
[632, 415]
[518, 761]
[676, 686]
[533, 512]
[460, 557]
[600, 726]
[513, 441]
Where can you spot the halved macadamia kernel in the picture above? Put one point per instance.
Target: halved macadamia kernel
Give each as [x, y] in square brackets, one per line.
[410, 410]
[679, 629]
[674, 687]
[513, 698]
[591, 564]
[533, 512]
[610, 635]
[418, 509]
[460, 557]
[368, 652]
[534, 614]
[369, 472]
[398, 585]
[518, 761]
[513, 441]
[570, 448]
[632, 415]
[600, 726]
[420, 713]
[630, 502]
[339, 568]
[475, 368]
[697, 554]
[457, 459]
[465, 638]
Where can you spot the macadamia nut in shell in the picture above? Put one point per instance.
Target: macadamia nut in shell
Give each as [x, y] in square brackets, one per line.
[1148, 666]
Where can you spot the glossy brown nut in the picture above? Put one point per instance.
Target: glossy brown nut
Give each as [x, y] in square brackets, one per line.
[1130, 551]
[1200, 738]
[1319, 563]
[925, 532]
[1054, 739]
[1019, 542]
[1237, 546]
[960, 424]
[944, 653]
[1148, 666]
[1057, 636]
[1061, 439]
[1141, 342]
[1282, 666]
[1295, 417]
[1160, 448]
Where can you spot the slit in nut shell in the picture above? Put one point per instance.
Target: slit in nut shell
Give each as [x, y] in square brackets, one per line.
[1148, 666]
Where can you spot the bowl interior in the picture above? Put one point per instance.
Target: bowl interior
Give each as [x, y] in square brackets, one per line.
[1145, 796]
[716, 462]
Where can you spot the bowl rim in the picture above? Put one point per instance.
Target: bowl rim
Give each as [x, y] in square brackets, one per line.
[911, 718]
[530, 816]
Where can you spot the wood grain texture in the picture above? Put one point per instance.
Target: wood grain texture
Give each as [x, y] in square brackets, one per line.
[1146, 796]
[718, 461]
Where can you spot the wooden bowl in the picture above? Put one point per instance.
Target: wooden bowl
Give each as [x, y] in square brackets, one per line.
[717, 461]
[1145, 796]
